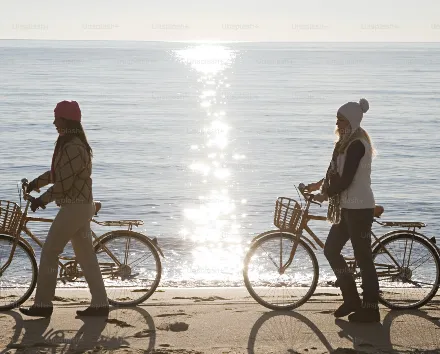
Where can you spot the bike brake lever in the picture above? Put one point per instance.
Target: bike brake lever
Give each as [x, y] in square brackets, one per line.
[316, 203]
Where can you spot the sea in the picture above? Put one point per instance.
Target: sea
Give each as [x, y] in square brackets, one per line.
[199, 139]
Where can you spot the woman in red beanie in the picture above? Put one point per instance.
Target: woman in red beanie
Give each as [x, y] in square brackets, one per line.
[72, 191]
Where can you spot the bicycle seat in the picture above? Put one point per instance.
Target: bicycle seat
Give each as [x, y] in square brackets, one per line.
[98, 206]
[378, 211]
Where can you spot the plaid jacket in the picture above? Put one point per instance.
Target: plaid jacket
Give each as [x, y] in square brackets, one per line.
[73, 168]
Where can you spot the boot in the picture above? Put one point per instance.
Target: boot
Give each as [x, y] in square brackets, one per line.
[346, 308]
[367, 313]
[37, 311]
[352, 302]
[94, 311]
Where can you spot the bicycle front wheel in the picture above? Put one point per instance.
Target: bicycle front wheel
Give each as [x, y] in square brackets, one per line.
[130, 267]
[18, 280]
[265, 279]
[408, 269]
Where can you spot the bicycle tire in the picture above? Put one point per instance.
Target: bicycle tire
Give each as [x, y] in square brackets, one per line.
[28, 293]
[425, 242]
[249, 287]
[147, 242]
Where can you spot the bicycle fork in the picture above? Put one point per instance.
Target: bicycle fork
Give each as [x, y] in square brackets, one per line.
[283, 267]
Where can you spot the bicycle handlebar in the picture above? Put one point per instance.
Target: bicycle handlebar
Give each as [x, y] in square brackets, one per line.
[307, 196]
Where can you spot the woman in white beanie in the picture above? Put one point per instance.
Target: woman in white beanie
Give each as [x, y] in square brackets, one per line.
[347, 185]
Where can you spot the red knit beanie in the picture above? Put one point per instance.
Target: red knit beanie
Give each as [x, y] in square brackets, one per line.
[68, 110]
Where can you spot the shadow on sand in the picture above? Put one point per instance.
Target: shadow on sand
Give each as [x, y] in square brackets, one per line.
[123, 324]
[294, 333]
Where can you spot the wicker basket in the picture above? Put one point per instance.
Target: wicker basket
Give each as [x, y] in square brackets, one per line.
[10, 217]
[287, 214]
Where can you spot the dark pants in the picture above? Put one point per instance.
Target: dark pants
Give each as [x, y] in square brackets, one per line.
[355, 225]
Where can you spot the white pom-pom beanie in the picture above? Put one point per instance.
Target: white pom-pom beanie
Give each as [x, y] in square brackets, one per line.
[354, 112]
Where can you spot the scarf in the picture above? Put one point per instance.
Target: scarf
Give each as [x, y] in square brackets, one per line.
[54, 156]
[334, 203]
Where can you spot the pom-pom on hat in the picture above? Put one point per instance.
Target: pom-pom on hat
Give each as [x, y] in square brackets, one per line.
[354, 112]
[68, 110]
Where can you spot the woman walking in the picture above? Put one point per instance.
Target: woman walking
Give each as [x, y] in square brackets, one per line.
[72, 191]
[347, 185]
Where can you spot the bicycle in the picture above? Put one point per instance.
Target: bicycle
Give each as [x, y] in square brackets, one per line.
[127, 283]
[281, 270]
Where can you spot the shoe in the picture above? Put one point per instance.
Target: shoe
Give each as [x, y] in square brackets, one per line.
[364, 315]
[37, 311]
[345, 309]
[94, 311]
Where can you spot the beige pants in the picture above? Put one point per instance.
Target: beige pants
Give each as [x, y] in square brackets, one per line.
[72, 223]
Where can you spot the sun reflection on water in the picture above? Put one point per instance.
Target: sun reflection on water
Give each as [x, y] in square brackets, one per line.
[213, 222]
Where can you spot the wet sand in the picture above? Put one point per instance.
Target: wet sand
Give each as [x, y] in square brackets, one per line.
[217, 320]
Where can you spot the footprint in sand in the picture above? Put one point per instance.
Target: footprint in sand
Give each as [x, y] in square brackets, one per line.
[144, 333]
[118, 323]
[199, 299]
[139, 290]
[145, 289]
[6, 297]
[174, 327]
[326, 312]
[63, 299]
[172, 314]
[124, 298]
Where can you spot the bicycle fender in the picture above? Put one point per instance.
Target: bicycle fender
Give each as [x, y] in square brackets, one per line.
[147, 239]
[23, 241]
[402, 232]
[256, 238]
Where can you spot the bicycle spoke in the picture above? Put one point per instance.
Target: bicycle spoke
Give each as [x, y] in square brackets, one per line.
[19, 277]
[139, 259]
[420, 263]
[271, 258]
[416, 281]
[264, 281]
[127, 249]
[137, 277]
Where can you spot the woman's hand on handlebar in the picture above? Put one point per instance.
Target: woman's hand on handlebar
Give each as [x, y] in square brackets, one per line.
[36, 203]
[27, 188]
[314, 198]
[314, 186]
[31, 187]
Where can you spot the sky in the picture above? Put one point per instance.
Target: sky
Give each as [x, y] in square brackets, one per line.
[224, 20]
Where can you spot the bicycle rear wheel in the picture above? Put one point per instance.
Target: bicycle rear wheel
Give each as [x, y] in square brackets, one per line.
[130, 266]
[18, 280]
[408, 269]
[262, 276]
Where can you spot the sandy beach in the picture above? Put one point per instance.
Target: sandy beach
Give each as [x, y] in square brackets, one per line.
[217, 320]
